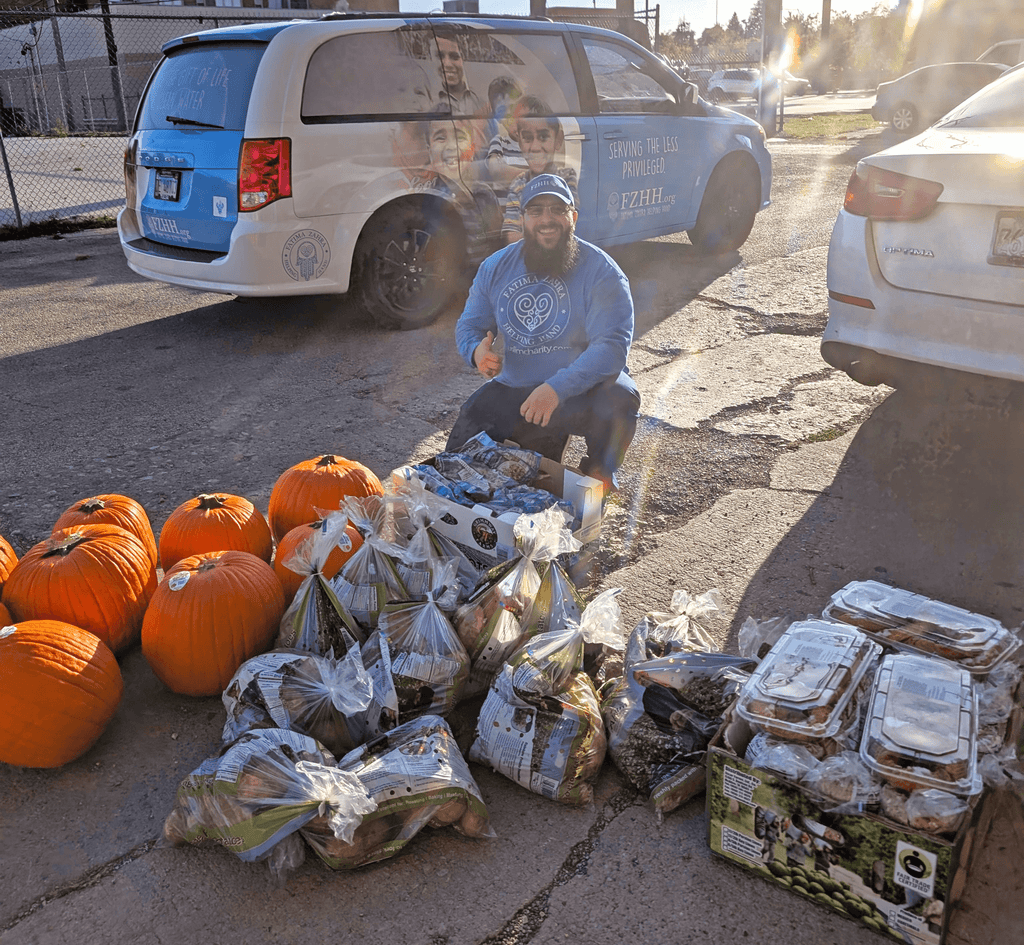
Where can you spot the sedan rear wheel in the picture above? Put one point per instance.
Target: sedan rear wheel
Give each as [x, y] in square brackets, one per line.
[904, 118]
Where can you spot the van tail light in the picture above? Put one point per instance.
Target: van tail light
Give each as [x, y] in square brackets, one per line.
[885, 195]
[264, 172]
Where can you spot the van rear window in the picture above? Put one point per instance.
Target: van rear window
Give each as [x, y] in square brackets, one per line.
[202, 86]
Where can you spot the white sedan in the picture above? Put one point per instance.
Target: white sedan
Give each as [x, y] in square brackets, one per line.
[926, 262]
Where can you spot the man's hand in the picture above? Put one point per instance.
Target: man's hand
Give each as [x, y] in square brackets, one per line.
[486, 361]
[540, 405]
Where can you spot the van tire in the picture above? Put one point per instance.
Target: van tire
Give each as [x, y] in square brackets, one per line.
[728, 208]
[409, 263]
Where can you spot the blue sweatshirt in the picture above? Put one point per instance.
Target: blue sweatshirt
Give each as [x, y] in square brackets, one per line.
[571, 332]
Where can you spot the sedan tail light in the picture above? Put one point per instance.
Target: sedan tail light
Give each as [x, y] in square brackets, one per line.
[264, 172]
[885, 195]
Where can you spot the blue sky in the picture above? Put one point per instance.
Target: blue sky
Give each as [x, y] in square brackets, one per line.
[699, 13]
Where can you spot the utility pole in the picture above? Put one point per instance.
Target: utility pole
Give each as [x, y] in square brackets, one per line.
[67, 106]
[115, 70]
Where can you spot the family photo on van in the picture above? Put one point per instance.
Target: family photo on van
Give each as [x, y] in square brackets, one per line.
[386, 157]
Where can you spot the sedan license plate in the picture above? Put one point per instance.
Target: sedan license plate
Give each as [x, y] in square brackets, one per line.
[1008, 239]
[166, 185]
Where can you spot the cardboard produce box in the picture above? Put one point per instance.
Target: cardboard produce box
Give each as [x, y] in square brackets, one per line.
[890, 879]
[486, 536]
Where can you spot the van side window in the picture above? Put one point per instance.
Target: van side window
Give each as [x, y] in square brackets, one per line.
[511, 64]
[372, 74]
[622, 81]
[448, 71]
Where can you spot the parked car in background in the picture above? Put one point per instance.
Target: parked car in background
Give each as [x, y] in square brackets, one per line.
[354, 154]
[728, 85]
[794, 84]
[926, 260]
[915, 100]
[700, 78]
[1010, 52]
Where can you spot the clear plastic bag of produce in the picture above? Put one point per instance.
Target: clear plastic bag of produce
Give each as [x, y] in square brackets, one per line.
[317, 622]
[546, 663]
[997, 695]
[429, 664]
[789, 759]
[669, 702]
[551, 745]
[414, 520]
[685, 626]
[843, 784]
[557, 602]
[757, 637]
[335, 701]
[491, 623]
[370, 578]
[929, 810]
[260, 791]
[417, 778]
[541, 724]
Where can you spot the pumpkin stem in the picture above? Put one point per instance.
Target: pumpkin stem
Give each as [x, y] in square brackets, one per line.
[207, 565]
[92, 505]
[210, 502]
[64, 546]
[328, 459]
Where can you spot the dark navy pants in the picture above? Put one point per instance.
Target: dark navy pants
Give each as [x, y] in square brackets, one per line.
[605, 416]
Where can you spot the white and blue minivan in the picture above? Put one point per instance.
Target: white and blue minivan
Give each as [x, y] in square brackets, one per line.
[381, 154]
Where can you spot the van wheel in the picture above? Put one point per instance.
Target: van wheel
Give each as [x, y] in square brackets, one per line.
[408, 265]
[727, 211]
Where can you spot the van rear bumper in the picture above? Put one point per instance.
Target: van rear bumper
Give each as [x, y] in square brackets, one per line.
[276, 257]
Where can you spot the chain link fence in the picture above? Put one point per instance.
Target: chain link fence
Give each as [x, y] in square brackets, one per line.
[69, 88]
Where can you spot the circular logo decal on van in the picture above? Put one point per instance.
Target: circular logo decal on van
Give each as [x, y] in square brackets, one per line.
[306, 255]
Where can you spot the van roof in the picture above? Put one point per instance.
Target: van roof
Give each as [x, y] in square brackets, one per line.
[264, 33]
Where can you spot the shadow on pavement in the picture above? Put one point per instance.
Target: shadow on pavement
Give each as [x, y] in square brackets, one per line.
[927, 497]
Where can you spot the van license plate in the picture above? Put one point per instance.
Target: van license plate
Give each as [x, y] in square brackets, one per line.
[1008, 239]
[166, 185]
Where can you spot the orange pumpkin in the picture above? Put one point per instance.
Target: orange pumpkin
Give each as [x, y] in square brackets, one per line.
[61, 686]
[96, 577]
[112, 509]
[8, 559]
[5, 616]
[316, 485]
[290, 580]
[209, 615]
[214, 522]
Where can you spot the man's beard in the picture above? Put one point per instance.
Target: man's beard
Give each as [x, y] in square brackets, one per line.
[556, 261]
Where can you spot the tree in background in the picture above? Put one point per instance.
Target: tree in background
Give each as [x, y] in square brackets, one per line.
[735, 27]
[754, 23]
[862, 51]
[678, 45]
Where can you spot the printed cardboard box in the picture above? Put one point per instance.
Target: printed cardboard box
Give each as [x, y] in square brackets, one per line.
[486, 536]
[891, 880]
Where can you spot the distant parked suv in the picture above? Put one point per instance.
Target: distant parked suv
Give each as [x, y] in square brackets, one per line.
[731, 84]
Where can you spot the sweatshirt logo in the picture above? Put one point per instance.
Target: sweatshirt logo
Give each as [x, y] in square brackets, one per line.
[532, 311]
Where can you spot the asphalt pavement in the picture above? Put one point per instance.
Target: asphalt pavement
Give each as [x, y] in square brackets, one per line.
[909, 486]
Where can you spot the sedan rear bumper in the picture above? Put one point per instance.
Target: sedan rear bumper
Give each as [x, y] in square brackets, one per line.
[910, 326]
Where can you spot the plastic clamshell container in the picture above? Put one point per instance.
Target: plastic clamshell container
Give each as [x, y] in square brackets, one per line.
[802, 687]
[922, 724]
[905, 621]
